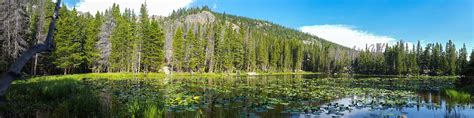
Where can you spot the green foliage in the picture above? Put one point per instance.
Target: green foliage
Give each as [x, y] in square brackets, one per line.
[69, 41]
[469, 70]
[197, 54]
[227, 44]
[178, 49]
[401, 60]
[122, 39]
[54, 96]
[153, 55]
[457, 96]
[194, 52]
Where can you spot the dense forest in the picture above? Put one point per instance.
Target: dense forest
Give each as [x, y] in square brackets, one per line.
[200, 40]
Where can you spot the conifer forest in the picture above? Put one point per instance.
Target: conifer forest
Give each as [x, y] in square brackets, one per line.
[198, 62]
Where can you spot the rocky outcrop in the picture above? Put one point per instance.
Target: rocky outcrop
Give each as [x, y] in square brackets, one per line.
[200, 18]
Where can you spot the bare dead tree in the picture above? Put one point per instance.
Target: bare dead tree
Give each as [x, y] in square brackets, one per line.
[13, 21]
[14, 72]
[104, 45]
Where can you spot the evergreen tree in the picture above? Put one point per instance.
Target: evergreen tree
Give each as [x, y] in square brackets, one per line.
[237, 49]
[298, 56]
[400, 58]
[469, 70]
[144, 35]
[462, 59]
[436, 59]
[262, 54]
[122, 40]
[451, 58]
[196, 55]
[275, 56]
[199, 48]
[92, 30]
[178, 49]
[425, 61]
[67, 41]
[153, 55]
[226, 47]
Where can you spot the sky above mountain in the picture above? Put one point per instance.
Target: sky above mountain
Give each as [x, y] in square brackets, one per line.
[347, 22]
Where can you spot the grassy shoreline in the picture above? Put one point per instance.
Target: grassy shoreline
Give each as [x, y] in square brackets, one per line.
[162, 75]
[216, 75]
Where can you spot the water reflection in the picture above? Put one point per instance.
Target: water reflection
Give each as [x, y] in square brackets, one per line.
[312, 96]
[428, 105]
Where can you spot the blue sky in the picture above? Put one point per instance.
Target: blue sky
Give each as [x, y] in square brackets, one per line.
[357, 21]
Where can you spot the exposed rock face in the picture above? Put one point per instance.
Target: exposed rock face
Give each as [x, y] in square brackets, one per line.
[234, 26]
[200, 18]
[203, 17]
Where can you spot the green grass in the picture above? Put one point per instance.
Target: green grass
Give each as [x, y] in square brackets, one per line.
[157, 75]
[457, 96]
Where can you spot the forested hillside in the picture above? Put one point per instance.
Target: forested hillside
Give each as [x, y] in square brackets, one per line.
[198, 40]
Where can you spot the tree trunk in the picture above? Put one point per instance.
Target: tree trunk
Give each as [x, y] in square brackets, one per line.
[15, 69]
[35, 64]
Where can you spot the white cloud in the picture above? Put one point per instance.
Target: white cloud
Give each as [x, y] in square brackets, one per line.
[155, 7]
[347, 36]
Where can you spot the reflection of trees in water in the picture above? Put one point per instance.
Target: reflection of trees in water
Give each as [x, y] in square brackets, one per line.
[466, 84]
[453, 113]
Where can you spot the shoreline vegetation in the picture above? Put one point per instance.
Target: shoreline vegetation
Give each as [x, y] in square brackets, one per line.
[220, 75]
[156, 95]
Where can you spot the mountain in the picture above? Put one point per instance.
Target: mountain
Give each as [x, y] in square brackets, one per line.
[189, 40]
[261, 34]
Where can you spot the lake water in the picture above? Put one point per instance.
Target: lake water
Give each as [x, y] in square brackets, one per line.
[315, 96]
[279, 96]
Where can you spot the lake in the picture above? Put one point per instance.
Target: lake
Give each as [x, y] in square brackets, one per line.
[295, 96]
[315, 96]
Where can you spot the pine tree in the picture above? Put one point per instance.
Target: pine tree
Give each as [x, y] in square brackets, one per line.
[469, 70]
[262, 54]
[298, 56]
[414, 67]
[67, 41]
[200, 48]
[425, 61]
[122, 40]
[462, 59]
[275, 56]
[237, 49]
[288, 56]
[400, 57]
[451, 58]
[196, 56]
[225, 46]
[436, 60]
[178, 49]
[153, 55]
[249, 47]
[91, 30]
[144, 35]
